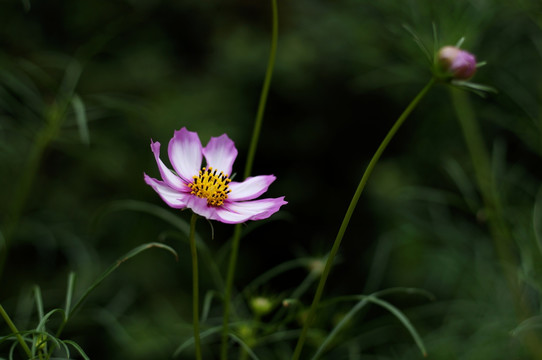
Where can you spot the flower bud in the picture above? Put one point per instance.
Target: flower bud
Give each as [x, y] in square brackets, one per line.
[459, 63]
[317, 266]
[261, 305]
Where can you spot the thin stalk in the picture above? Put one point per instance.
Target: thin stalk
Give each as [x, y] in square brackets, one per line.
[265, 92]
[482, 171]
[228, 293]
[348, 215]
[195, 285]
[14, 330]
[248, 169]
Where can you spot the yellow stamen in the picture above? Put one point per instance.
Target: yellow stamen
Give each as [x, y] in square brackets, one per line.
[211, 186]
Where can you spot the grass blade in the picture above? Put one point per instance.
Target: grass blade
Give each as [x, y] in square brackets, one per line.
[78, 348]
[344, 321]
[178, 223]
[363, 301]
[244, 346]
[69, 293]
[399, 315]
[113, 267]
[81, 118]
[39, 301]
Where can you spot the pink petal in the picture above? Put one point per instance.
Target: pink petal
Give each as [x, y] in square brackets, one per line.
[170, 178]
[200, 207]
[172, 197]
[185, 153]
[251, 188]
[238, 212]
[220, 153]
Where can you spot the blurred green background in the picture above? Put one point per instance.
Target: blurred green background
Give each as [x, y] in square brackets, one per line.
[345, 70]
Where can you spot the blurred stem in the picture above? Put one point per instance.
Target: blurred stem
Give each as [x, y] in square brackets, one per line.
[498, 228]
[348, 215]
[482, 171]
[195, 285]
[53, 117]
[248, 169]
[14, 330]
[229, 286]
[265, 92]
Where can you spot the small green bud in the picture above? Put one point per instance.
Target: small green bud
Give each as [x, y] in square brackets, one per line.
[317, 266]
[261, 305]
[41, 343]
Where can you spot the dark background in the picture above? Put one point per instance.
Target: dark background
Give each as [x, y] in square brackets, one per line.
[345, 70]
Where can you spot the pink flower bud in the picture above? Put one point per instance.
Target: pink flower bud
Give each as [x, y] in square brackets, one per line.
[460, 63]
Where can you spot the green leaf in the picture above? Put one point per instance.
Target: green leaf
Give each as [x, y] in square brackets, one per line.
[190, 341]
[39, 301]
[478, 89]
[244, 346]
[399, 315]
[209, 296]
[69, 292]
[45, 318]
[178, 223]
[363, 301]
[78, 348]
[121, 260]
[419, 42]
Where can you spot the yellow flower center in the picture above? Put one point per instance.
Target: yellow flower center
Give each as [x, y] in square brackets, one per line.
[211, 186]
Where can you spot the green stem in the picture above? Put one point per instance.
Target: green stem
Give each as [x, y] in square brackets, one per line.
[228, 293]
[265, 91]
[248, 169]
[195, 285]
[482, 171]
[348, 215]
[15, 331]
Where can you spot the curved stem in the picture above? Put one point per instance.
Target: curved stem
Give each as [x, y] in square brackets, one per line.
[248, 169]
[195, 286]
[348, 215]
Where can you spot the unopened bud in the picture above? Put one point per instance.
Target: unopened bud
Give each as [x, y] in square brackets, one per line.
[261, 305]
[459, 63]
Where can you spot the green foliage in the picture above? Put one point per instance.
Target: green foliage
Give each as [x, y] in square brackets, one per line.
[43, 343]
[84, 86]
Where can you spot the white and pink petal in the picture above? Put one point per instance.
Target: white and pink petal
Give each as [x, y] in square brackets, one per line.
[250, 188]
[238, 212]
[168, 176]
[199, 206]
[172, 197]
[185, 153]
[220, 153]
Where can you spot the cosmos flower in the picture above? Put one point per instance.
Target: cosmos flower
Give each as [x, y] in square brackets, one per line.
[460, 63]
[208, 191]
